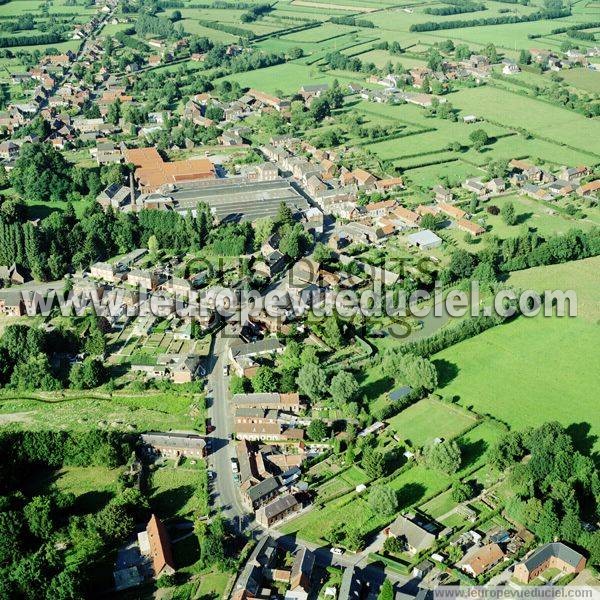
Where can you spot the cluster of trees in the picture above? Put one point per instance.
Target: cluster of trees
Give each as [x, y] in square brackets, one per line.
[555, 489]
[455, 8]
[159, 26]
[23, 23]
[500, 20]
[227, 28]
[352, 21]
[39, 39]
[339, 61]
[522, 252]
[444, 456]
[24, 353]
[418, 372]
[255, 12]
[47, 549]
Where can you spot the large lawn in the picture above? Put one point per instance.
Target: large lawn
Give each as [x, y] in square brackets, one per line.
[174, 490]
[92, 487]
[422, 422]
[527, 372]
[543, 119]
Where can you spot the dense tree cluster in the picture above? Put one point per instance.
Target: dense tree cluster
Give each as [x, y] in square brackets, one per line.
[555, 489]
[25, 364]
[47, 550]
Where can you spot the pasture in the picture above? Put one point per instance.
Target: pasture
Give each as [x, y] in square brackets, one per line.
[545, 120]
[527, 372]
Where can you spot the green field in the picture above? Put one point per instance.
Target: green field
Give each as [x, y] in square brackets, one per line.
[91, 486]
[80, 411]
[174, 489]
[422, 422]
[412, 486]
[542, 119]
[527, 372]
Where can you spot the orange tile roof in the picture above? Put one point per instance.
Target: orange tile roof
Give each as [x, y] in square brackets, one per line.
[592, 186]
[452, 211]
[152, 171]
[361, 175]
[485, 557]
[385, 184]
[405, 214]
[379, 205]
[160, 546]
[470, 227]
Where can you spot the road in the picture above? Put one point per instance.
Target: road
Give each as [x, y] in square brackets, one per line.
[224, 493]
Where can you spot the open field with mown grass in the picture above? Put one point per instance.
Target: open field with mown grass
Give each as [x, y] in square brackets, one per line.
[530, 371]
[174, 491]
[92, 487]
[540, 118]
[428, 419]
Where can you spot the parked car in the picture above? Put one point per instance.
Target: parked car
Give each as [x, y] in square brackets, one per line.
[337, 551]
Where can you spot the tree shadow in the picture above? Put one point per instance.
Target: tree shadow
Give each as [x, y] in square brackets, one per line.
[378, 387]
[186, 552]
[410, 493]
[582, 440]
[93, 501]
[169, 502]
[523, 218]
[471, 451]
[446, 371]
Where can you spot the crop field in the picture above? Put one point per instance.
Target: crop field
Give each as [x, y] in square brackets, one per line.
[428, 419]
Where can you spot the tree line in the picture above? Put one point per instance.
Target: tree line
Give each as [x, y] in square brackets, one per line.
[500, 20]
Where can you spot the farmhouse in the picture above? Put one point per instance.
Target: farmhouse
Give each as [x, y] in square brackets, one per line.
[269, 401]
[173, 444]
[277, 510]
[589, 189]
[11, 304]
[480, 560]
[157, 545]
[417, 536]
[470, 227]
[452, 211]
[555, 555]
[442, 194]
[302, 568]
[261, 493]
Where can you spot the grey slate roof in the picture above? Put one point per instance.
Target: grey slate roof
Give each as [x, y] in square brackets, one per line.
[173, 439]
[416, 536]
[279, 505]
[556, 549]
[253, 348]
[262, 489]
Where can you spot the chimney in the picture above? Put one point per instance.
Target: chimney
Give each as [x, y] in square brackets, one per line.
[131, 189]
